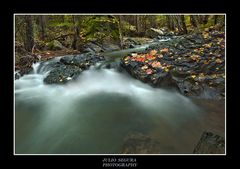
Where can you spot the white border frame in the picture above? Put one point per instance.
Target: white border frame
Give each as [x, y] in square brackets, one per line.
[119, 14]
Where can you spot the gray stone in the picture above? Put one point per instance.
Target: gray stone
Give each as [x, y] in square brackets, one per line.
[210, 143]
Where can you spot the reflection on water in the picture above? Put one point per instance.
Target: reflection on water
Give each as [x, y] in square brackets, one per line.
[95, 113]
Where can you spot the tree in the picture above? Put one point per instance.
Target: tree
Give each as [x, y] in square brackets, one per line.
[120, 29]
[193, 21]
[76, 33]
[138, 24]
[42, 25]
[29, 40]
[215, 19]
[170, 23]
[183, 24]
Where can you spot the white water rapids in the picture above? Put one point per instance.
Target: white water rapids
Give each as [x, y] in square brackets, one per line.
[94, 114]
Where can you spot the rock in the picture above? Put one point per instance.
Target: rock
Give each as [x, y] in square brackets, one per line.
[129, 43]
[25, 64]
[70, 67]
[108, 46]
[181, 72]
[54, 45]
[138, 143]
[17, 75]
[62, 74]
[210, 143]
[67, 59]
[153, 33]
[93, 47]
[88, 50]
[189, 87]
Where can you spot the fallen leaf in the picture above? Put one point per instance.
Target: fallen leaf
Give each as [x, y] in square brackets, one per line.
[166, 69]
[206, 62]
[218, 60]
[193, 76]
[149, 71]
[150, 57]
[153, 52]
[140, 59]
[144, 67]
[156, 64]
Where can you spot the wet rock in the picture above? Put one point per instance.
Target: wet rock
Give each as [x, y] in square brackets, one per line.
[17, 75]
[129, 43]
[153, 33]
[67, 59]
[190, 88]
[93, 47]
[69, 68]
[181, 72]
[138, 143]
[25, 64]
[210, 143]
[110, 47]
[62, 74]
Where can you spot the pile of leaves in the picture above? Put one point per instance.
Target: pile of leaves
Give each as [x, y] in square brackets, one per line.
[150, 62]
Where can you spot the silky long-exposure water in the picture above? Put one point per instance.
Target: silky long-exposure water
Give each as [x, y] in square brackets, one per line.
[94, 114]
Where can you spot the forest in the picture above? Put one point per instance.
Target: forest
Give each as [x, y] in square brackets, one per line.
[45, 35]
[119, 83]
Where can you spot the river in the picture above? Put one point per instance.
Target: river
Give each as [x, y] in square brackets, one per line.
[95, 113]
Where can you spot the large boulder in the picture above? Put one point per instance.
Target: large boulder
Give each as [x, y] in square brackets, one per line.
[62, 74]
[68, 68]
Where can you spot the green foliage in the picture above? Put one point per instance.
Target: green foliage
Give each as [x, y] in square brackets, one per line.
[161, 20]
[99, 28]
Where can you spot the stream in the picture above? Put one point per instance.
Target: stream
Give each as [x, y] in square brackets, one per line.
[95, 113]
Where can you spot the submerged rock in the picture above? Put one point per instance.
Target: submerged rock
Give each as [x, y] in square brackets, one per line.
[210, 143]
[138, 143]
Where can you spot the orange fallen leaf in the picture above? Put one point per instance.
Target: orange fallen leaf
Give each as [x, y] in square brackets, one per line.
[153, 52]
[156, 64]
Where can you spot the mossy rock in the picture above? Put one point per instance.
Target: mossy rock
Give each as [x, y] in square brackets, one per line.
[54, 45]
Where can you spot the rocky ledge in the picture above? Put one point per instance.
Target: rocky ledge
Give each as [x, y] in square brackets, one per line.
[193, 64]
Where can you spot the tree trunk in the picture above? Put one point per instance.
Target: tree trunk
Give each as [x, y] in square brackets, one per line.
[184, 24]
[76, 33]
[138, 24]
[29, 41]
[170, 23]
[177, 23]
[205, 19]
[42, 24]
[120, 30]
[193, 21]
[215, 19]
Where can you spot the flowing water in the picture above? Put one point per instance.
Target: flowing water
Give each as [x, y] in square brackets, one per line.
[95, 113]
